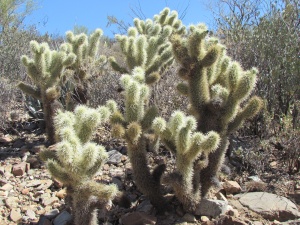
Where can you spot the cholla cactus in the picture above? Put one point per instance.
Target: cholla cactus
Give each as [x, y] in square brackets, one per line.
[132, 126]
[180, 137]
[218, 90]
[147, 45]
[46, 70]
[77, 159]
[85, 48]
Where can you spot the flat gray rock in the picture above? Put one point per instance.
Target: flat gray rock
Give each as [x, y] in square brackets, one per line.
[114, 157]
[213, 208]
[270, 206]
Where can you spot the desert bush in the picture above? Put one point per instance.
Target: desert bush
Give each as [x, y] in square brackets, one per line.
[264, 33]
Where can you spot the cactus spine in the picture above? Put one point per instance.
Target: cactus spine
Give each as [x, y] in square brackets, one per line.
[180, 138]
[46, 70]
[217, 88]
[77, 159]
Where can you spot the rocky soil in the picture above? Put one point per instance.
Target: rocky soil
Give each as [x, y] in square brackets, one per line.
[28, 194]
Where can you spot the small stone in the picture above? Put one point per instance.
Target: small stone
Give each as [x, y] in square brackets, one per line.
[254, 178]
[51, 214]
[18, 143]
[57, 183]
[30, 213]
[11, 202]
[232, 187]
[209, 207]
[117, 182]
[63, 218]
[204, 218]
[105, 167]
[233, 212]
[3, 193]
[5, 139]
[25, 191]
[114, 157]
[20, 169]
[15, 215]
[189, 218]
[273, 165]
[6, 187]
[137, 218]
[50, 201]
[220, 196]
[61, 194]
[8, 168]
[44, 221]
[37, 149]
[145, 206]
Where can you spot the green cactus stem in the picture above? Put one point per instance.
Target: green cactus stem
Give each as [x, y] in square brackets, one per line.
[46, 70]
[218, 90]
[147, 45]
[133, 126]
[78, 159]
[180, 138]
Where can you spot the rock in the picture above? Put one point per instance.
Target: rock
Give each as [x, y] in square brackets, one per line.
[62, 219]
[18, 143]
[11, 202]
[220, 196]
[270, 206]
[117, 181]
[213, 208]
[44, 221]
[114, 157]
[6, 187]
[254, 178]
[53, 213]
[25, 191]
[33, 161]
[204, 218]
[50, 201]
[5, 139]
[232, 187]
[61, 194]
[189, 218]
[138, 218]
[30, 213]
[257, 223]
[291, 222]
[233, 212]
[145, 206]
[15, 215]
[229, 220]
[20, 169]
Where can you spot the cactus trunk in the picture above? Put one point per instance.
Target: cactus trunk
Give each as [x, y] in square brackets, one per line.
[144, 180]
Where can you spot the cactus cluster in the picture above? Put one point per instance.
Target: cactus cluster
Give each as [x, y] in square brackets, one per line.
[46, 69]
[180, 137]
[218, 90]
[77, 159]
[217, 87]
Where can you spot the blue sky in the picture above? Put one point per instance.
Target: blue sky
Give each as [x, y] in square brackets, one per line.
[59, 16]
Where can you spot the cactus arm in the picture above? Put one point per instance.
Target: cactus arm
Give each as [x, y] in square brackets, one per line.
[30, 90]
